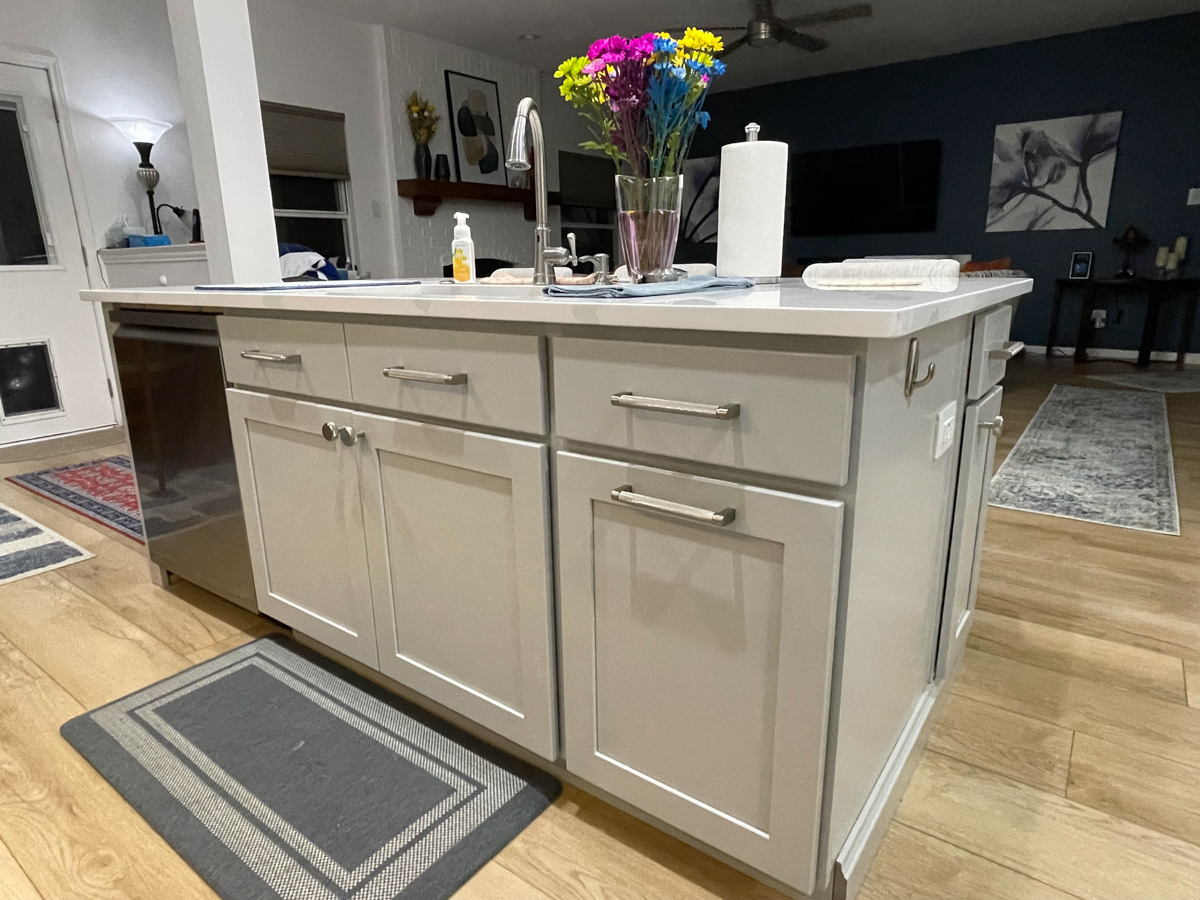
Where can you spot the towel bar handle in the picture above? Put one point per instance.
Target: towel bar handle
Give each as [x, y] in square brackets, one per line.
[629, 400]
[911, 381]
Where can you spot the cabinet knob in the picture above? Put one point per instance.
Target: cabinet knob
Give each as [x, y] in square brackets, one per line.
[348, 435]
[329, 431]
[995, 426]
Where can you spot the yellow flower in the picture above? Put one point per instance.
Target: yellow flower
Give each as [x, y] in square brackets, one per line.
[704, 41]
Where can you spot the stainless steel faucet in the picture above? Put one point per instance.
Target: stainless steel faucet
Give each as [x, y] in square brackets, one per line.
[545, 257]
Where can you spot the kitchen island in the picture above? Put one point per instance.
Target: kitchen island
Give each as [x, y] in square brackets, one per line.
[712, 556]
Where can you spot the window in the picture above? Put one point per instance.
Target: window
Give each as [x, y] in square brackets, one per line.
[27, 382]
[22, 238]
[588, 204]
[310, 176]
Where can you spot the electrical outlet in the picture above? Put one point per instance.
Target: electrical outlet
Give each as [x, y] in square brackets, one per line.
[1194, 197]
[1099, 318]
[944, 435]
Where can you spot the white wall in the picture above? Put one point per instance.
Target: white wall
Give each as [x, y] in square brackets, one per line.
[308, 58]
[116, 59]
[418, 63]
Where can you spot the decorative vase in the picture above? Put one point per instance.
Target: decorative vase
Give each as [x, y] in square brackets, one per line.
[422, 161]
[648, 223]
[441, 168]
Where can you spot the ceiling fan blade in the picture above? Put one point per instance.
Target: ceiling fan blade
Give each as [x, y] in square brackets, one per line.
[840, 14]
[802, 40]
[729, 48]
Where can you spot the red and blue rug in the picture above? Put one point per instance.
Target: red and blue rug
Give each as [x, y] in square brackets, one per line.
[103, 491]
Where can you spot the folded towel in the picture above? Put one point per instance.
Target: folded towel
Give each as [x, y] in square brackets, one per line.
[884, 274]
[621, 291]
[304, 285]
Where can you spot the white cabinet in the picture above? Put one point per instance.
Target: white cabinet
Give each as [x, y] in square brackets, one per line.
[697, 655]
[458, 530]
[304, 519]
[980, 424]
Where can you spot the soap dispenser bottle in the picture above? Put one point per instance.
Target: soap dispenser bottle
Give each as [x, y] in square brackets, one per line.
[462, 250]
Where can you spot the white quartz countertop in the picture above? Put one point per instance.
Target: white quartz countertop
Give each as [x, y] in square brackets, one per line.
[785, 308]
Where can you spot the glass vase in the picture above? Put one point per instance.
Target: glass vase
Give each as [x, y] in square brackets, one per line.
[648, 224]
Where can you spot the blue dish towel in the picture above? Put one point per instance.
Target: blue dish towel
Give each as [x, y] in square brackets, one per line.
[621, 291]
[302, 285]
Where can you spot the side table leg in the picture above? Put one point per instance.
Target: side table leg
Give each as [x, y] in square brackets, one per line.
[1149, 328]
[1086, 329]
[1055, 313]
[1189, 322]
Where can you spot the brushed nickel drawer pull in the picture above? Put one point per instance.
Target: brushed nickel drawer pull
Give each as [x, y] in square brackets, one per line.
[624, 494]
[629, 400]
[402, 374]
[995, 426]
[289, 359]
[913, 369]
[1010, 350]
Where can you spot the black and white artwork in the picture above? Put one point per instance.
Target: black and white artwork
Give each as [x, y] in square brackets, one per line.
[698, 219]
[475, 128]
[1053, 175]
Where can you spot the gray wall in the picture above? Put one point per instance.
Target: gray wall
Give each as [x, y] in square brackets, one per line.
[1150, 71]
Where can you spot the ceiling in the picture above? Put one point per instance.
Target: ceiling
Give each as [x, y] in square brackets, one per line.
[900, 29]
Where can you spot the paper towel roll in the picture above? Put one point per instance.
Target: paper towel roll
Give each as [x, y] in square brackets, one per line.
[750, 209]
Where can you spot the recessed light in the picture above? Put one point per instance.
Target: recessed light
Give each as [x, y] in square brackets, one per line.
[528, 37]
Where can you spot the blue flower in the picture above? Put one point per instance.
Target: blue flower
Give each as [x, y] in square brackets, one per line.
[665, 45]
[702, 119]
[718, 67]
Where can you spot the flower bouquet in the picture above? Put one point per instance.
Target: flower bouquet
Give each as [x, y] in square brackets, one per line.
[422, 121]
[643, 98]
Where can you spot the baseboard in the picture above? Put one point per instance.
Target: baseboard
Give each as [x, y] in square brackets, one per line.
[44, 448]
[1107, 353]
[856, 856]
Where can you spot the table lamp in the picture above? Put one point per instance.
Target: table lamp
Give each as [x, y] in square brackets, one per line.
[144, 133]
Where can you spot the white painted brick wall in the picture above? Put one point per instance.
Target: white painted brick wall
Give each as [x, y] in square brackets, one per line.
[416, 62]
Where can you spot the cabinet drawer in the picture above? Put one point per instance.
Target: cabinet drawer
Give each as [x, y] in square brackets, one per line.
[990, 350]
[697, 623]
[781, 413]
[307, 358]
[486, 379]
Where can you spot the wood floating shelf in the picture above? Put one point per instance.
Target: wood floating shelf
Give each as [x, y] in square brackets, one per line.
[427, 194]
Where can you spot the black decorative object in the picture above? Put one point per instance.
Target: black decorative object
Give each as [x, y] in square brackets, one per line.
[441, 168]
[422, 161]
[1131, 242]
[1081, 265]
[475, 128]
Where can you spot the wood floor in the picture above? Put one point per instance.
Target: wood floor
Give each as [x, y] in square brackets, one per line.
[1066, 764]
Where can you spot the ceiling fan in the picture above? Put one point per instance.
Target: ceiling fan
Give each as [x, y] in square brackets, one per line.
[767, 29]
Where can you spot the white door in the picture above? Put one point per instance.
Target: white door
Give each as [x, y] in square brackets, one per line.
[970, 521]
[458, 532]
[52, 376]
[697, 631]
[299, 485]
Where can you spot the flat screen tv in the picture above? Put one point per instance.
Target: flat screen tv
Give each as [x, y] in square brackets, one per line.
[882, 189]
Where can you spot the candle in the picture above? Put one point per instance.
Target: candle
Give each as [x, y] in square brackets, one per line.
[1172, 261]
[1160, 258]
[1181, 247]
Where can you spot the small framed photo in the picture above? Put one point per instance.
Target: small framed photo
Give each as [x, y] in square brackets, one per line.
[475, 128]
[1081, 264]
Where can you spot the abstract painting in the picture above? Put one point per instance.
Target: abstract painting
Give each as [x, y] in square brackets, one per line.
[698, 224]
[475, 128]
[1054, 174]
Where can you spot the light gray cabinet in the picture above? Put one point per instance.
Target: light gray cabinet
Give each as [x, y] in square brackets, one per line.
[304, 519]
[697, 655]
[458, 531]
[981, 422]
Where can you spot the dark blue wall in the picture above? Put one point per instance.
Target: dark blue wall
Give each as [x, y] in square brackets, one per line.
[1150, 71]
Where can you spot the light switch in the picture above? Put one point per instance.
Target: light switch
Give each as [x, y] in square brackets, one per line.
[1194, 197]
[944, 437]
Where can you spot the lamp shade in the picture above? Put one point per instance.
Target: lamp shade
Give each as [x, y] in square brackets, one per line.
[146, 131]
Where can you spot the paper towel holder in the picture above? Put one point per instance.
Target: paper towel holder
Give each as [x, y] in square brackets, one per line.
[752, 131]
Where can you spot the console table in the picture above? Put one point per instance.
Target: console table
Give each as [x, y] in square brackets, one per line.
[1156, 291]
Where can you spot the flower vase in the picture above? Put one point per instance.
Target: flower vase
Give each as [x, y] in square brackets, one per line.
[422, 161]
[648, 224]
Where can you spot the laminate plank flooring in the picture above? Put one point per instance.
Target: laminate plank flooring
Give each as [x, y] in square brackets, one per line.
[1064, 765]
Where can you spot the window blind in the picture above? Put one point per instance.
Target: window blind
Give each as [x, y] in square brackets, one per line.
[302, 141]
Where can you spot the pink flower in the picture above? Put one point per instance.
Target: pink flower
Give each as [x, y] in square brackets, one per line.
[610, 45]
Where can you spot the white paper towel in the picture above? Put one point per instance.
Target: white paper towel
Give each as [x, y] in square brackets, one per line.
[884, 274]
[750, 209]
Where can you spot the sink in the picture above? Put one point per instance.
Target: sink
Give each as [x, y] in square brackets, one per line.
[484, 291]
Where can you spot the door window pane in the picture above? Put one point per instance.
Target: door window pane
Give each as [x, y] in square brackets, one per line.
[324, 236]
[27, 382]
[22, 242]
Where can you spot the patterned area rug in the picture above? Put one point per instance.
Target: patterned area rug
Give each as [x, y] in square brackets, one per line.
[1172, 382]
[276, 773]
[103, 491]
[1096, 455]
[27, 548]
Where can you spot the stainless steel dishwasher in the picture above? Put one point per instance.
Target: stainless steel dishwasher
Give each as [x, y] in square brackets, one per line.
[173, 387]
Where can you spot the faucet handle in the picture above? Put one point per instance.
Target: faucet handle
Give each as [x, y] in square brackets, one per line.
[574, 257]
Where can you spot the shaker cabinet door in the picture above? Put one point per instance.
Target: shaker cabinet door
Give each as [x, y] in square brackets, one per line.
[458, 531]
[300, 490]
[970, 519]
[697, 625]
